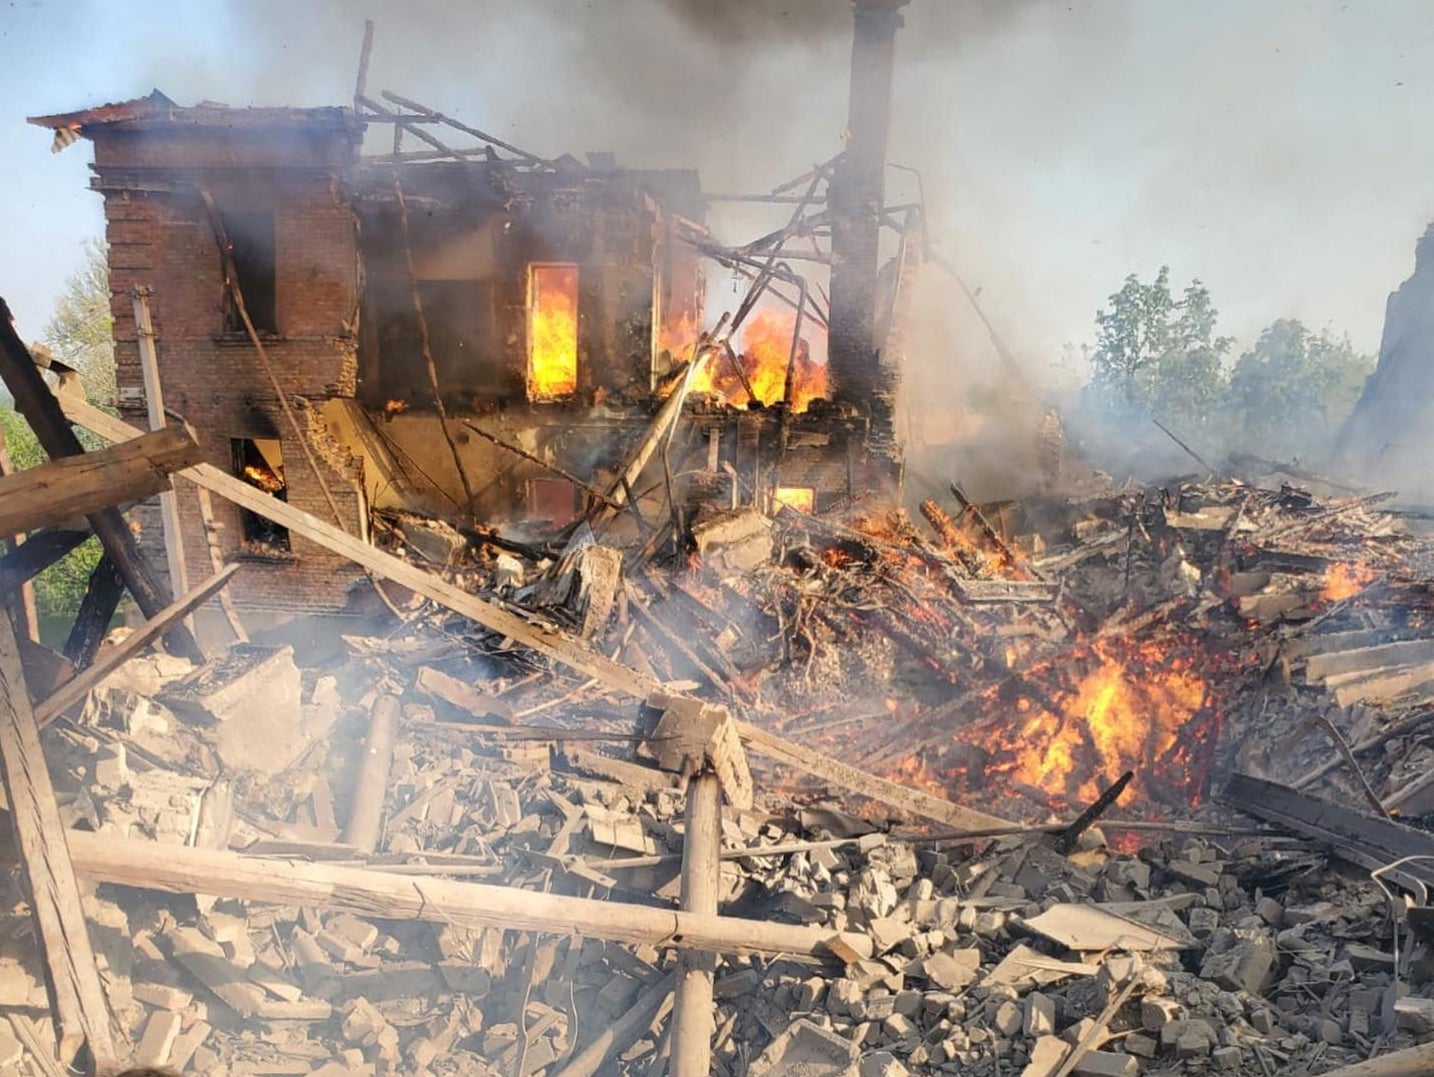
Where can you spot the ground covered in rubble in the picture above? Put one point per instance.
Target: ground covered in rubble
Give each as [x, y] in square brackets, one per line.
[1021, 659]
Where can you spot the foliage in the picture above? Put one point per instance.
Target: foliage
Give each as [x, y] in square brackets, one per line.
[1291, 391]
[1156, 355]
[80, 331]
[1160, 357]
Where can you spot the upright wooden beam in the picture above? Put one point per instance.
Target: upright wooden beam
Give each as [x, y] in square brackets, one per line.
[365, 822]
[35, 401]
[692, 1017]
[556, 645]
[154, 409]
[77, 999]
[56, 491]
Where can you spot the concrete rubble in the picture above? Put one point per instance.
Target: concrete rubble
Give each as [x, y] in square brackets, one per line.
[1171, 936]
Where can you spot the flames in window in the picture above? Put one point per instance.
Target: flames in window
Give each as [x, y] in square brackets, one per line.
[552, 331]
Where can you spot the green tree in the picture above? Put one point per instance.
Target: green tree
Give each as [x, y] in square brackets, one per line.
[1156, 355]
[1290, 392]
[80, 332]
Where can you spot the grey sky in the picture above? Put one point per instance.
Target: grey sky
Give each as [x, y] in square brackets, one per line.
[1275, 148]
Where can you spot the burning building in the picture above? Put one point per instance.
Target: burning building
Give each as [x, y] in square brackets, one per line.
[481, 335]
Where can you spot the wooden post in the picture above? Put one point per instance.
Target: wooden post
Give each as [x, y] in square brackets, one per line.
[365, 824]
[77, 999]
[154, 405]
[692, 1019]
[35, 401]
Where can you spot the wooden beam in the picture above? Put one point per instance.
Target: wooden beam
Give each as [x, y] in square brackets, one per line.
[53, 492]
[556, 645]
[1410, 1062]
[74, 691]
[39, 552]
[154, 411]
[77, 999]
[41, 409]
[692, 1025]
[392, 896]
[103, 592]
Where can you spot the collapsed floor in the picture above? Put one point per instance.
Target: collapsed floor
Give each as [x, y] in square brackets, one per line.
[1019, 659]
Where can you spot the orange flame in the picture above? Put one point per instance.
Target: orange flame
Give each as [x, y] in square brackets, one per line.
[1120, 716]
[552, 331]
[263, 478]
[765, 346]
[1345, 580]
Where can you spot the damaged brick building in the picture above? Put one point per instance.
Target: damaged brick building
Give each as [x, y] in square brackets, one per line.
[486, 337]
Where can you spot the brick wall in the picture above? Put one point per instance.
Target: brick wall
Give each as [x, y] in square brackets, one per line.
[160, 236]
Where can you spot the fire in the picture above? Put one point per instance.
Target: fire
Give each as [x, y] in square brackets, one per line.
[552, 331]
[800, 498]
[263, 478]
[1140, 714]
[1345, 580]
[764, 349]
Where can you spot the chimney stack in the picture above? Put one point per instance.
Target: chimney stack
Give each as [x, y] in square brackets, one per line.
[857, 194]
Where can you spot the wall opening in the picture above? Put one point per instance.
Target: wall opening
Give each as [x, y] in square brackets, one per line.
[552, 331]
[801, 498]
[251, 245]
[260, 463]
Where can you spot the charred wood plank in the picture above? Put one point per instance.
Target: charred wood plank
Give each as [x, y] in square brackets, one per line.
[51, 493]
[77, 999]
[37, 553]
[97, 610]
[1361, 839]
[41, 409]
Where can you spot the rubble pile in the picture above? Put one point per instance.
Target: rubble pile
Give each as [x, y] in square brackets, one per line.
[1173, 935]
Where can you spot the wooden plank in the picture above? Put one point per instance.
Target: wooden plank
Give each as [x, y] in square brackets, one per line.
[844, 776]
[76, 690]
[1410, 1062]
[59, 490]
[35, 401]
[439, 685]
[1362, 659]
[394, 896]
[78, 1003]
[1382, 687]
[551, 642]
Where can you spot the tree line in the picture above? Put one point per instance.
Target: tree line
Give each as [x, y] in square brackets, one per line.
[1158, 355]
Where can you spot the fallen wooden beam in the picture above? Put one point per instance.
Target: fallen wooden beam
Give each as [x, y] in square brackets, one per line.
[1355, 836]
[692, 1015]
[73, 691]
[77, 999]
[388, 895]
[556, 645]
[51, 493]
